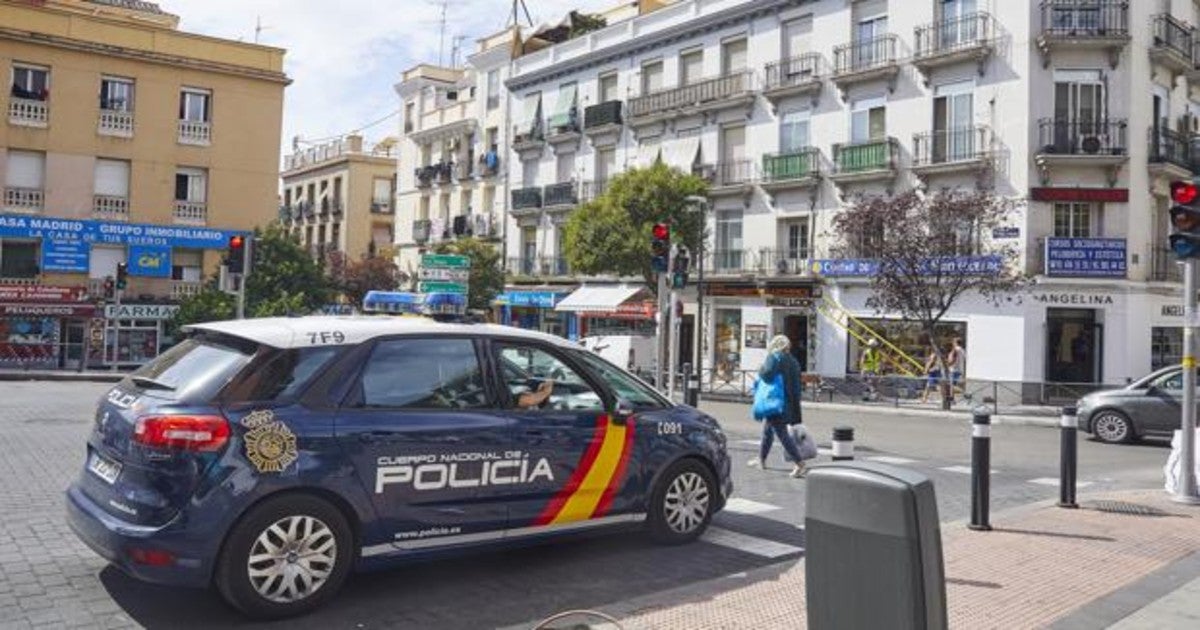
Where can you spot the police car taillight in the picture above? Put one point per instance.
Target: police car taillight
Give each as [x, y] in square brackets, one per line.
[186, 433]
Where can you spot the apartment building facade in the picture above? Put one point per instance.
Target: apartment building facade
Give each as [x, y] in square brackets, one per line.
[128, 141]
[1081, 111]
[340, 197]
[450, 176]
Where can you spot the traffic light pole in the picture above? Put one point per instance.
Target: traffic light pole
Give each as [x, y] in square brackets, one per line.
[116, 331]
[1187, 439]
[673, 324]
[241, 278]
[660, 349]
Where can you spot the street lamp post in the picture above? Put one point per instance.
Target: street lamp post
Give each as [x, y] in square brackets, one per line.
[700, 203]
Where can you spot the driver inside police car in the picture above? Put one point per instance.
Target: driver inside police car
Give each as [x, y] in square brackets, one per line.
[533, 399]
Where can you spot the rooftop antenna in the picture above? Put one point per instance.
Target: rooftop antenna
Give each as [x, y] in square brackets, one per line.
[442, 32]
[456, 49]
[518, 6]
[259, 28]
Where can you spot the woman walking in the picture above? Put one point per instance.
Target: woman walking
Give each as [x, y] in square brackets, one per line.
[780, 363]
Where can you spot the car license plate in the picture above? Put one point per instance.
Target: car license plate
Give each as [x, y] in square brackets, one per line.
[104, 468]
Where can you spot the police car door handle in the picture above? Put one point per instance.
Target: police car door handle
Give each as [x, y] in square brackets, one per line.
[535, 433]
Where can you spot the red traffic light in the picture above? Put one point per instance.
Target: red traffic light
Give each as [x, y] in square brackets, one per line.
[662, 231]
[236, 242]
[1184, 192]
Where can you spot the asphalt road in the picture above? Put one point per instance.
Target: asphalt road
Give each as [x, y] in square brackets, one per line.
[48, 578]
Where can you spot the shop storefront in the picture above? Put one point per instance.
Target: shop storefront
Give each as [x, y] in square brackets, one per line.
[610, 310]
[134, 334]
[534, 310]
[42, 327]
[743, 316]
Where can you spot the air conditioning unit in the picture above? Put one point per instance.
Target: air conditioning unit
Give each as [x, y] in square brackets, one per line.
[483, 225]
[783, 267]
[1091, 144]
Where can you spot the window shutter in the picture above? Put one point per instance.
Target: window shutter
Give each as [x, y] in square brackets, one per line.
[26, 169]
[102, 261]
[112, 178]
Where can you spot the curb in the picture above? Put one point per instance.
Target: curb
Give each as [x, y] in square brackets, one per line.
[953, 414]
[77, 377]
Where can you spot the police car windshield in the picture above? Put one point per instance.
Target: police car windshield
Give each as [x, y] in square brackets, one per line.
[191, 371]
[640, 395]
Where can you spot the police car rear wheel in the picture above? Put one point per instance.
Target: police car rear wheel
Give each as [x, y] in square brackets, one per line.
[682, 503]
[286, 557]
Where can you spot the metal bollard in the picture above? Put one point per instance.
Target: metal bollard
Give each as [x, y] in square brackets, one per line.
[843, 444]
[981, 470]
[691, 391]
[1068, 458]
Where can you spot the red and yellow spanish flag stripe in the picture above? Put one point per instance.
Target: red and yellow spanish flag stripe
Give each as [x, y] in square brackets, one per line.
[590, 490]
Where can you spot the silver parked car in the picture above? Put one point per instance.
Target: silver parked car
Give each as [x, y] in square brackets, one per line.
[1147, 407]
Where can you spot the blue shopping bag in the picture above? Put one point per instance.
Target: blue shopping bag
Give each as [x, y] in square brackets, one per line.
[769, 398]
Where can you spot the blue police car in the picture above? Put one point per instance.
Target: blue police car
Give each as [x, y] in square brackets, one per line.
[271, 457]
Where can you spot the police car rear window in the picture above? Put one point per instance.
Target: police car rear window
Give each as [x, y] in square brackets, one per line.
[280, 375]
[191, 371]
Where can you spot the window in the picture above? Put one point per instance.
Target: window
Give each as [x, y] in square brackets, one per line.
[606, 163]
[1074, 220]
[532, 120]
[797, 36]
[116, 95]
[729, 240]
[423, 374]
[195, 369]
[337, 191]
[1078, 104]
[103, 260]
[953, 114]
[733, 56]
[793, 131]
[907, 336]
[529, 171]
[866, 51]
[191, 184]
[867, 240]
[381, 191]
[652, 77]
[19, 259]
[409, 116]
[26, 169]
[691, 67]
[608, 88]
[565, 167]
[493, 89]
[626, 387]
[490, 137]
[795, 235]
[868, 120]
[525, 368]
[31, 82]
[283, 376]
[112, 178]
[194, 105]
[187, 265]
[1166, 347]
[728, 344]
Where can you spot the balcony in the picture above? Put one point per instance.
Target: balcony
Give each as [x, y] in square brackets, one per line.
[602, 122]
[529, 142]
[731, 262]
[867, 60]
[970, 38]
[115, 123]
[798, 76]
[1170, 154]
[539, 267]
[382, 207]
[874, 160]
[1070, 143]
[526, 200]
[952, 151]
[421, 229]
[195, 133]
[465, 170]
[1171, 46]
[110, 207]
[336, 207]
[181, 290]
[783, 262]
[1093, 25]
[191, 213]
[28, 112]
[561, 195]
[23, 200]
[1166, 265]
[323, 211]
[792, 170]
[439, 173]
[732, 177]
[593, 190]
[708, 96]
[564, 131]
[489, 163]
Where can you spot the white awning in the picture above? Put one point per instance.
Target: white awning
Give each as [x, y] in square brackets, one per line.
[648, 152]
[597, 299]
[682, 153]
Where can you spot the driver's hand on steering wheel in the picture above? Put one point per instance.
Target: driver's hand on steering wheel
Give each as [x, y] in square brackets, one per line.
[529, 400]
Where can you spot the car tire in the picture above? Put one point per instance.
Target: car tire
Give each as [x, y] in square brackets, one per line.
[682, 503]
[1112, 427]
[304, 548]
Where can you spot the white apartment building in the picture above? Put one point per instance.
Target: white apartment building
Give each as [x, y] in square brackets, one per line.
[1083, 110]
[453, 128]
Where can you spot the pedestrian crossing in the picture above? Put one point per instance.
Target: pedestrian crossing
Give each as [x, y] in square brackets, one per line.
[749, 544]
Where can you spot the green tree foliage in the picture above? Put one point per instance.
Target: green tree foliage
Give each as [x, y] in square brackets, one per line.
[487, 273]
[354, 278]
[611, 235]
[285, 280]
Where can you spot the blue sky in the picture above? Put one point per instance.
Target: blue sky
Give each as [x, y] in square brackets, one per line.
[345, 56]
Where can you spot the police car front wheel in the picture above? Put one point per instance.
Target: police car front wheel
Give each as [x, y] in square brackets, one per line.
[286, 557]
[682, 503]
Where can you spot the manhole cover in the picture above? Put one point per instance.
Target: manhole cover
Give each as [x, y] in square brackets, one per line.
[1132, 509]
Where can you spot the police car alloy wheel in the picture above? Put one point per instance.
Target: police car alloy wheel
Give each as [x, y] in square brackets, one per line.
[682, 504]
[1112, 427]
[286, 557]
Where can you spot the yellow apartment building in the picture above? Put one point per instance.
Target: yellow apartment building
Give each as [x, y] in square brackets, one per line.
[341, 197]
[123, 140]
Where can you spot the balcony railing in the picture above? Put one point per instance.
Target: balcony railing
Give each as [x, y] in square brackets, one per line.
[784, 261]
[1105, 137]
[527, 198]
[191, 212]
[489, 163]
[110, 207]
[563, 125]
[382, 207]
[27, 200]
[1172, 35]
[115, 123]
[421, 230]
[868, 54]
[722, 88]
[793, 165]
[440, 172]
[1085, 18]
[1171, 147]
[947, 146]
[195, 133]
[601, 114]
[181, 290]
[963, 33]
[539, 266]
[729, 261]
[592, 190]
[27, 112]
[861, 157]
[561, 194]
[793, 72]
[1166, 267]
[730, 173]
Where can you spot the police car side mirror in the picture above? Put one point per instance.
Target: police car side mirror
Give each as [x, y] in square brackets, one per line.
[622, 411]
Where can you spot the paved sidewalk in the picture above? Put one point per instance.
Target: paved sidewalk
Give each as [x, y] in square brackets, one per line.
[1040, 564]
[62, 375]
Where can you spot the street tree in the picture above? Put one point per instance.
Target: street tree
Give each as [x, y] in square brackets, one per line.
[610, 235]
[487, 273]
[354, 278]
[284, 280]
[929, 251]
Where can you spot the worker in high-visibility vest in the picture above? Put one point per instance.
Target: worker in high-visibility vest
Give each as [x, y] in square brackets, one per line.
[869, 365]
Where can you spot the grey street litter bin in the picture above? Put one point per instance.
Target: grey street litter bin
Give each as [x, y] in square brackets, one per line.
[873, 549]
